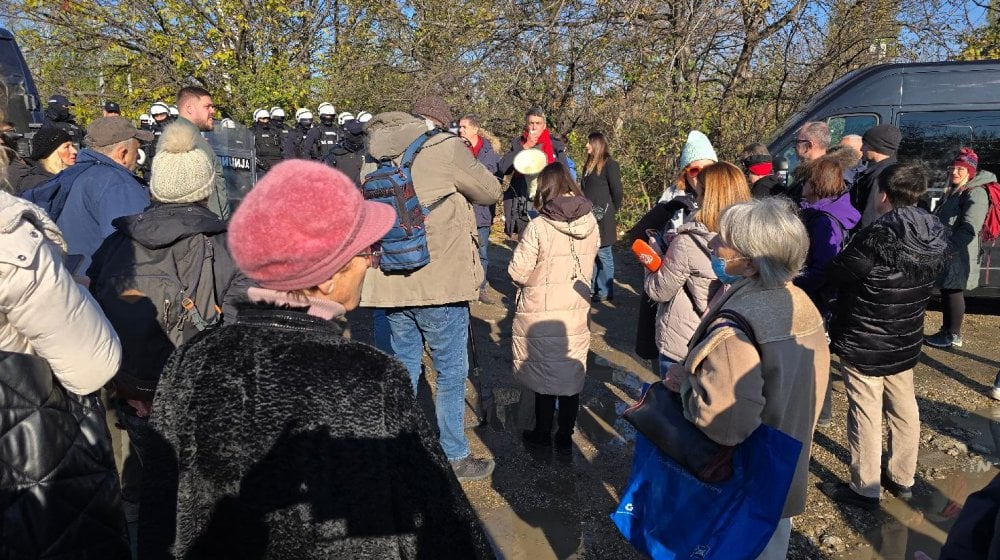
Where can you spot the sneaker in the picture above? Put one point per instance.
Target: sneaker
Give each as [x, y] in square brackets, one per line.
[995, 393]
[942, 339]
[471, 468]
[898, 490]
[841, 492]
[485, 297]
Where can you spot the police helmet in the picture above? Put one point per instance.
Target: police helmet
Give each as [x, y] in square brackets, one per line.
[145, 119]
[364, 116]
[159, 108]
[277, 112]
[300, 112]
[326, 109]
[261, 114]
[173, 111]
[344, 117]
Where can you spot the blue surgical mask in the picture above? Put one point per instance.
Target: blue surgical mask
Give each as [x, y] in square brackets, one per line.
[719, 268]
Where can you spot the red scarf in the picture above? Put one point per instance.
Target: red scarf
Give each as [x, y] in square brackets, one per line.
[477, 146]
[544, 144]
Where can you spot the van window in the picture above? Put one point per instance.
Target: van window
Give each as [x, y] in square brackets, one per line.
[933, 139]
[841, 126]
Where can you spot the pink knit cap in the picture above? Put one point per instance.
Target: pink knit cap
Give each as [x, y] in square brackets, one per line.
[302, 223]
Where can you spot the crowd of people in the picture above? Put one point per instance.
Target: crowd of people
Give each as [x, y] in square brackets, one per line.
[244, 424]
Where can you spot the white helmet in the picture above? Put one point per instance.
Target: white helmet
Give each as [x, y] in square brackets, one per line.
[344, 117]
[300, 112]
[277, 112]
[228, 123]
[173, 111]
[261, 114]
[159, 108]
[145, 118]
[364, 116]
[326, 109]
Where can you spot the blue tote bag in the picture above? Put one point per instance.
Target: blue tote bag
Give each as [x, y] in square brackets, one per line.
[667, 513]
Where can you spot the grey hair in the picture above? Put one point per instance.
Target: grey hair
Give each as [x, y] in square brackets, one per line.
[818, 133]
[535, 112]
[769, 232]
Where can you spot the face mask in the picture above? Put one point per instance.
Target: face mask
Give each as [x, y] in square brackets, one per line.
[719, 268]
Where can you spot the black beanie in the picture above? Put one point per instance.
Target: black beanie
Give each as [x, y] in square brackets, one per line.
[47, 140]
[883, 139]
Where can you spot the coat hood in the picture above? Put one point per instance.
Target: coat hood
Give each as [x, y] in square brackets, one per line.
[570, 215]
[982, 177]
[839, 208]
[389, 134]
[910, 239]
[14, 210]
[844, 156]
[162, 225]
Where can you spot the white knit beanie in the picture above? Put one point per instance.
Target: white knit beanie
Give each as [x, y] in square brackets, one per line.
[181, 171]
[698, 146]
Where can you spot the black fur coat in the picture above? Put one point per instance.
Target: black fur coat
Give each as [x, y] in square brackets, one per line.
[277, 438]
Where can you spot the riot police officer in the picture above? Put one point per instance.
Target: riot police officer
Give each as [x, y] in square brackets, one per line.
[267, 139]
[324, 137]
[57, 114]
[350, 155]
[294, 145]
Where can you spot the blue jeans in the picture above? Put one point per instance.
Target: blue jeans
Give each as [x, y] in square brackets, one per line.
[604, 274]
[484, 253]
[664, 365]
[380, 331]
[445, 329]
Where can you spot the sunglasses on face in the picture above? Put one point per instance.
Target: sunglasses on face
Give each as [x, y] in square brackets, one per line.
[373, 254]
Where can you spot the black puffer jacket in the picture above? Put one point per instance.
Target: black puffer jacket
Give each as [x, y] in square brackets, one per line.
[769, 185]
[277, 438]
[23, 175]
[884, 278]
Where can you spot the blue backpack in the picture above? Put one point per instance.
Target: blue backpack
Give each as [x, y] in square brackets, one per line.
[404, 247]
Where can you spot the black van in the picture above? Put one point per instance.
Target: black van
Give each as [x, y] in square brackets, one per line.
[938, 106]
[19, 99]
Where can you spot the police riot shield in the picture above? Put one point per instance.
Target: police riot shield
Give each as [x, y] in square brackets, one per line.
[234, 146]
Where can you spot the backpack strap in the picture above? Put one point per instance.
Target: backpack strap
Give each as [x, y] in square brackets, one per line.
[414, 148]
[207, 256]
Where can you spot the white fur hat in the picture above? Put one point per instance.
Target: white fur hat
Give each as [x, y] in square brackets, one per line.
[182, 172]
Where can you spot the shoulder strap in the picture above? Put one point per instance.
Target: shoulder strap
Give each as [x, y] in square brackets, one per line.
[207, 256]
[414, 148]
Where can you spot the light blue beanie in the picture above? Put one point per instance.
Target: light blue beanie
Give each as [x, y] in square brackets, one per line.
[698, 146]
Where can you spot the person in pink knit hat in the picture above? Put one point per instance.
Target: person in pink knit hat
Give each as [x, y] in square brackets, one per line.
[275, 436]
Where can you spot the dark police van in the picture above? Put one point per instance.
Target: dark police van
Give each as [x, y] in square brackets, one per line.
[939, 107]
[19, 100]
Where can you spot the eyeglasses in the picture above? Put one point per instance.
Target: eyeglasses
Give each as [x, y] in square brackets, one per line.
[693, 171]
[802, 141]
[373, 254]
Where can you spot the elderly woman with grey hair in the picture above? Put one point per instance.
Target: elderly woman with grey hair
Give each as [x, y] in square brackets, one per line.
[774, 368]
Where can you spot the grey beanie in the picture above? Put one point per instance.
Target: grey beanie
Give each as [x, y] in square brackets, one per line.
[182, 172]
[698, 146]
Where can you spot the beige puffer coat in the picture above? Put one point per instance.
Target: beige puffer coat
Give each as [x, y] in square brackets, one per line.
[448, 180]
[553, 265]
[687, 262]
[43, 311]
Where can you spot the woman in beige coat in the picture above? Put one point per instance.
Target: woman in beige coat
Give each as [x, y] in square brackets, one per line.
[685, 281]
[552, 266]
[732, 381]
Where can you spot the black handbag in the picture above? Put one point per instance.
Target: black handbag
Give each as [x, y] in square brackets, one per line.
[59, 491]
[659, 416]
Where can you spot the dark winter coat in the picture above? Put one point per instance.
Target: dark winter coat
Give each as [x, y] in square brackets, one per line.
[865, 190]
[884, 278]
[964, 213]
[604, 189]
[267, 142]
[349, 156]
[277, 438]
[769, 185]
[23, 175]
[320, 141]
[827, 221]
[166, 236]
[293, 145]
[515, 198]
[491, 161]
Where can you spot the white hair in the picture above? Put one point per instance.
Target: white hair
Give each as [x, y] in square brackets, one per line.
[769, 232]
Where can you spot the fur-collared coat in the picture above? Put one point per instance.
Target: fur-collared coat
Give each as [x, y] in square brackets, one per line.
[277, 438]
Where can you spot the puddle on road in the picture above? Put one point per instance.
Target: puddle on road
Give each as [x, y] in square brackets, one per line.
[924, 523]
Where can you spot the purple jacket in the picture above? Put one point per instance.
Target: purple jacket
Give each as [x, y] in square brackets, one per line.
[827, 220]
[490, 160]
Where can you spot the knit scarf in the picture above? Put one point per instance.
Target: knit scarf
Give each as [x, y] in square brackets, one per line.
[544, 144]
